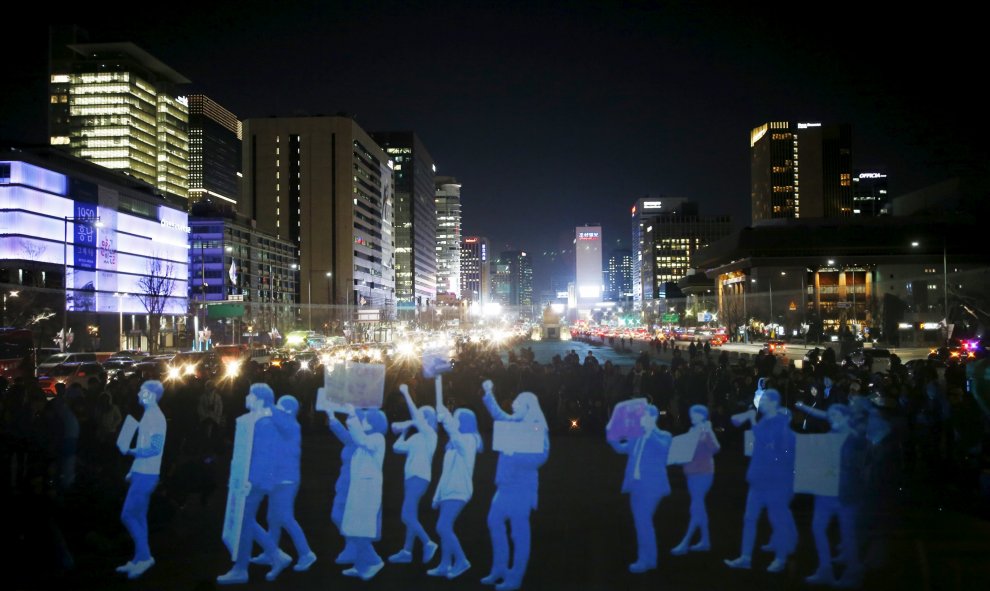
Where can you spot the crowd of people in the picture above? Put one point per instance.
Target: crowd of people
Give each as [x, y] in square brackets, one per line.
[61, 465]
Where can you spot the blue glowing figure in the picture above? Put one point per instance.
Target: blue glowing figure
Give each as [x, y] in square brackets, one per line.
[771, 483]
[143, 477]
[516, 493]
[699, 473]
[260, 484]
[419, 449]
[342, 484]
[455, 487]
[646, 483]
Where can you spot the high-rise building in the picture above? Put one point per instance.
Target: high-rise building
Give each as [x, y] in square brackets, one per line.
[870, 194]
[588, 265]
[512, 278]
[214, 151]
[325, 185]
[670, 240]
[642, 210]
[116, 105]
[618, 275]
[475, 269]
[801, 170]
[415, 218]
[448, 202]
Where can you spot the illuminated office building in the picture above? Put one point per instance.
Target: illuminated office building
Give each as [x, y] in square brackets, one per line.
[448, 204]
[588, 265]
[214, 152]
[323, 184]
[116, 105]
[870, 194]
[618, 275]
[642, 210]
[801, 170]
[512, 278]
[415, 219]
[475, 269]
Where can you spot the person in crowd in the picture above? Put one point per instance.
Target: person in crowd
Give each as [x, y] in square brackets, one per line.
[516, 494]
[455, 487]
[699, 473]
[419, 449]
[260, 483]
[771, 482]
[646, 482]
[281, 504]
[342, 484]
[361, 521]
[143, 477]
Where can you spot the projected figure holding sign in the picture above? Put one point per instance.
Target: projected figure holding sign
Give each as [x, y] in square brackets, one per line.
[646, 482]
[418, 449]
[699, 472]
[837, 494]
[771, 483]
[521, 438]
[343, 482]
[256, 444]
[455, 487]
[361, 521]
[143, 475]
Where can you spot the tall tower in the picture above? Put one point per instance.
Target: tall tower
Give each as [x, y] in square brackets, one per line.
[415, 218]
[214, 151]
[475, 269]
[325, 185]
[448, 204]
[801, 170]
[116, 105]
[618, 275]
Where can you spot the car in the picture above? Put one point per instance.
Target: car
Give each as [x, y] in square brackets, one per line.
[69, 374]
[46, 366]
[198, 364]
[134, 354]
[43, 353]
[117, 365]
[150, 368]
[873, 359]
[774, 347]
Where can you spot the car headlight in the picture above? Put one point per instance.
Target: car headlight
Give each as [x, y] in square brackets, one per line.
[233, 369]
[190, 369]
[304, 365]
[174, 373]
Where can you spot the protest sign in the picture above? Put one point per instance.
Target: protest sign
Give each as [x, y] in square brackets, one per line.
[817, 459]
[360, 384]
[435, 362]
[517, 437]
[682, 447]
[625, 421]
[127, 431]
[237, 489]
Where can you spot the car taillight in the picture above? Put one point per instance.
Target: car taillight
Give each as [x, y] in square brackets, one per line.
[81, 374]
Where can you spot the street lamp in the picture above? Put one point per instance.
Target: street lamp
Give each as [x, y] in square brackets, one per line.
[87, 220]
[12, 294]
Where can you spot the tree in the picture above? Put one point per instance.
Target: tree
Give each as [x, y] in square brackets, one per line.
[156, 288]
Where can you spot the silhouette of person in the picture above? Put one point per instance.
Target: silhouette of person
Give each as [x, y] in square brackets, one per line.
[281, 503]
[645, 481]
[516, 493]
[771, 483]
[143, 477]
[699, 472]
[361, 521]
[455, 487]
[419, 449]
[260, 483]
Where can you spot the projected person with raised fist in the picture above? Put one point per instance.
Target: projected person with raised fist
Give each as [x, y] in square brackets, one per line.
[455, 487]
[418, 449]
[771, 482]
[143, 477]
[646, 482]
[361, 521]
[521, 438]
[343, 483]
[699, 473]
[260, 450]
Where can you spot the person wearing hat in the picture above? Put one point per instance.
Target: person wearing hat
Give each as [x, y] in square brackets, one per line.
[143, 477]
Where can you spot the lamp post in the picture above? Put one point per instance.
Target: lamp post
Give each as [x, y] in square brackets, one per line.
[13, 294]
[65, 269]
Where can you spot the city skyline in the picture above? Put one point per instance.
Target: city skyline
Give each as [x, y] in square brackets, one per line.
[600, 106]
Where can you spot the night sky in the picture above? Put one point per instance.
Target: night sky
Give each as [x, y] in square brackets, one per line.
[564, 113]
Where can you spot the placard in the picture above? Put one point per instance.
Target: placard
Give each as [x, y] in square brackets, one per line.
[518, 437]
[682, 447]
[817, 461]
[240, 469]
[625, 422]
[435, 362]
[360, 384]
[749, 442]
[127, 431]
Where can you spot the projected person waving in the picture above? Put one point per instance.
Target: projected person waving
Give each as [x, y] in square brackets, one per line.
[646, 482]
[143, 477]
[517, 484]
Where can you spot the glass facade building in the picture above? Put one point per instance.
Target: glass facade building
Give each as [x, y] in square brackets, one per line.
[214, 151]
[448, 204]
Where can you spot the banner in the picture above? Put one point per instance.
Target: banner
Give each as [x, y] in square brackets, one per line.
[625, 421]
[516, 437]
[435, 362]
[360, 384]
[682, 447]
[817, 461]
[237, 489]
